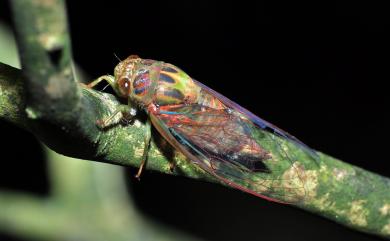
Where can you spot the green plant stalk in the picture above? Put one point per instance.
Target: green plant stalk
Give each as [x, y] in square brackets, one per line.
[63, 116]
[88, 201]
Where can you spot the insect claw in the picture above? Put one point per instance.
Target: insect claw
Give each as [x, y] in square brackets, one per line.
[101, 124]
[141, 168]
[138, 177]
[172, 167]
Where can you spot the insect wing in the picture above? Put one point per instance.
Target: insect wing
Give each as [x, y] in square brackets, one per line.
[223, 144]
[259, 121]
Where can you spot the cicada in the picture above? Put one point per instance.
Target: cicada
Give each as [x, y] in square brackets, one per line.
[214, 133]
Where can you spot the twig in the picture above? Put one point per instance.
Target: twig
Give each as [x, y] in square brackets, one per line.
[64, 117]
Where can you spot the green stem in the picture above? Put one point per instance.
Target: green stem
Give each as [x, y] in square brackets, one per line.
[44, 44]
[64, 117]
[97, 208]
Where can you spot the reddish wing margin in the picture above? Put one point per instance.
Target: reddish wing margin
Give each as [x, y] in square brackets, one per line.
[259, 121]
[200, 158]
[186, 128]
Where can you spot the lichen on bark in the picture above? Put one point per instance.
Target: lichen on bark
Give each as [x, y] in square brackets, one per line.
[45, 99]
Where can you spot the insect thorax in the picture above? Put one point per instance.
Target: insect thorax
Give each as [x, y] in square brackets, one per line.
[175, 87]
[163, 84]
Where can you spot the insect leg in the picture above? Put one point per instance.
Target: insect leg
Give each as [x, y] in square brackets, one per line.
[109, 78]
[124, 109]
[147, 137]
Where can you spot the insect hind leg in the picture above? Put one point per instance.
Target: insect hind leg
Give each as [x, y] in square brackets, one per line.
[147, 138]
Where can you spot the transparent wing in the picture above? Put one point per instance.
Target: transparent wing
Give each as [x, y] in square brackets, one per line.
[259, 121]
[229, 145]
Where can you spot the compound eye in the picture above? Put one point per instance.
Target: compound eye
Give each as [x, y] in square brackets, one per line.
[124, 86]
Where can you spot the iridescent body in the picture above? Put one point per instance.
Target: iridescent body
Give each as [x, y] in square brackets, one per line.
[215, 134]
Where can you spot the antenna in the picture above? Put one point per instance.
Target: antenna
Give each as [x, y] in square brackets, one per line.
[116, 56]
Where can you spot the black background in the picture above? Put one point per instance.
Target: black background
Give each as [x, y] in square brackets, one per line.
[318, 71]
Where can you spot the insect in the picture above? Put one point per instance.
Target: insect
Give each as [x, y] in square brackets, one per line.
[214, 133]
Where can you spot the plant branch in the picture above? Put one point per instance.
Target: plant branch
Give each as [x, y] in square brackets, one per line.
[64, 116]
[341, 192]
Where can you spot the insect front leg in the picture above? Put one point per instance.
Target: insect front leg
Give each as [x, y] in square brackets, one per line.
[108, 78]
[127, 112]
[147, 137]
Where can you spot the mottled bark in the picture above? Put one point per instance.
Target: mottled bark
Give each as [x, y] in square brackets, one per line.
[48, 102]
